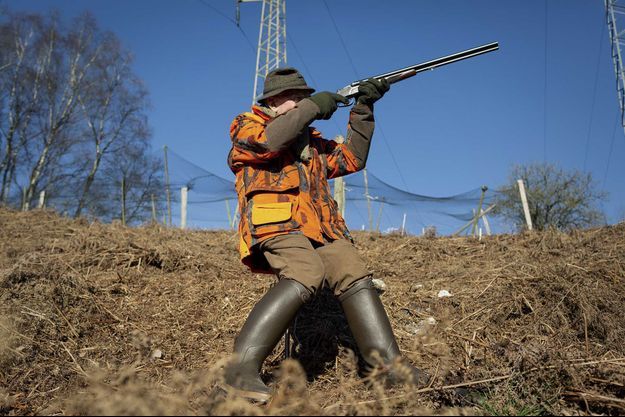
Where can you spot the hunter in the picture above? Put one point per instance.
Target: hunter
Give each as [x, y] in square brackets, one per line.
[290, 224]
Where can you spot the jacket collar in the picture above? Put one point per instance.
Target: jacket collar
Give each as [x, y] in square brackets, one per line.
[264, 112]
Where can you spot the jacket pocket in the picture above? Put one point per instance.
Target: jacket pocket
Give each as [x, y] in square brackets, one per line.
[267, 213]
[272, 213]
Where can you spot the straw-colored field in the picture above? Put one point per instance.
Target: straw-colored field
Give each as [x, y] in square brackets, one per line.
[104, 319]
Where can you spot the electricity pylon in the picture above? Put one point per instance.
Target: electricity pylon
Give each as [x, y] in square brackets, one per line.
[615, 17]
[271, 50]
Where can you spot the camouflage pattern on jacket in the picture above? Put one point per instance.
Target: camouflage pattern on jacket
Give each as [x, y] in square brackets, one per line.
[283, 191]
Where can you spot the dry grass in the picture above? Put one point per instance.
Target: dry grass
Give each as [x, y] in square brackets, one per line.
[103, 319]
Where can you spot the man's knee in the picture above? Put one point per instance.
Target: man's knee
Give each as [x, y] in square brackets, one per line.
[350, 282]
[308, 272]
[344, 266]
[294, 257]
[354, 287]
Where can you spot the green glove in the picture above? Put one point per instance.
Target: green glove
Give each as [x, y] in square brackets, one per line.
[327, 103]
[372, 90]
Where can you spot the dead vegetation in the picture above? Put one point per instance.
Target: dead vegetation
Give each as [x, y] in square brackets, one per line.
[106, 320]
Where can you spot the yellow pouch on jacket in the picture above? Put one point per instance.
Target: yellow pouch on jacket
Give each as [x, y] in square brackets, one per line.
[265, 213]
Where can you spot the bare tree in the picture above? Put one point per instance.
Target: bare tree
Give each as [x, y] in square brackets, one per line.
[141, 174]
[21, 78]
[72, 117]
[113, 105]
[556, 198]
[71, 57]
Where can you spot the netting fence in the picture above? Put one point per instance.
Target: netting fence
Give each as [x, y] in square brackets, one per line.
[370, 203]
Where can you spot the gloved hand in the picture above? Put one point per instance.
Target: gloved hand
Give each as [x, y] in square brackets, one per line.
[327, 103]
[372, 90]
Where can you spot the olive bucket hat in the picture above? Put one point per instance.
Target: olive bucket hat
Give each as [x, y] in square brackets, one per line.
[283, 79]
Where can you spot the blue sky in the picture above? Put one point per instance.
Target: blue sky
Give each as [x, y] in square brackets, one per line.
[548, 94]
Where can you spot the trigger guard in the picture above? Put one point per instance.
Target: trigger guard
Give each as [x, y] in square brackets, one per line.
[352, 101]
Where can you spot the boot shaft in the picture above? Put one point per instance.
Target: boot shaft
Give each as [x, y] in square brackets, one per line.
[269, 319]
[369, 322]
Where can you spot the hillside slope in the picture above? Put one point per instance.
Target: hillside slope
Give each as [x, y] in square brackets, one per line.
[105, 319]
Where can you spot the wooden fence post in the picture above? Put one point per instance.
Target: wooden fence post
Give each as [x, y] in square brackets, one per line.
[477, 214]
[235, 216]
[153, 210]
[486, 223]
[167, 191]
[403, 226]
[339, 185]
[526, 209]
[364, 173]
[124, 201]
[377, 227]
[466, 226]
[183, 207]
[229, 215]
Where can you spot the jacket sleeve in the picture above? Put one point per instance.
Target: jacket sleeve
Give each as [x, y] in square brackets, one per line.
[259, 141]
[282, 131]
[351, 156]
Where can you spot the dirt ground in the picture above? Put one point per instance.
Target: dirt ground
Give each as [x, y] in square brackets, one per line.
[100, 319]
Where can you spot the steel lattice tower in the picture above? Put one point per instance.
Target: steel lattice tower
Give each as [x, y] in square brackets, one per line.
[615, 17]
[271, 50]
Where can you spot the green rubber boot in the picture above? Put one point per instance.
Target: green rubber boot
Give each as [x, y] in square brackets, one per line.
[372, 331]
[264, 327]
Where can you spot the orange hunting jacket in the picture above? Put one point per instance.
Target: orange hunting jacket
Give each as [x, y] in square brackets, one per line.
[282, 166]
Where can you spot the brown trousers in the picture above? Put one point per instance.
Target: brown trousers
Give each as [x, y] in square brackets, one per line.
[336, 264]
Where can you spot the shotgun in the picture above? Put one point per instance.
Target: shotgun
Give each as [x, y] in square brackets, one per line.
[351, 91]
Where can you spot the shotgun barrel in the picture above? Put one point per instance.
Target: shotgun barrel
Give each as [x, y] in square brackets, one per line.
[403, 73]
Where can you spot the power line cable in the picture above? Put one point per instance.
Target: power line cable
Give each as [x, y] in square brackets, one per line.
[336, 28]
[315, 85]
[545, 91]
[309, 74]
[401, 176]
[213, 8]
[292, 42]
[217, 11]
[607, 166]
[594, 96]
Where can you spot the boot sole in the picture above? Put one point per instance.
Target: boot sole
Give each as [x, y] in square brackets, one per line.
[259, 397]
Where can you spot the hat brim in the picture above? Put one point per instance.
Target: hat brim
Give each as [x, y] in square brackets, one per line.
[281, 90]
